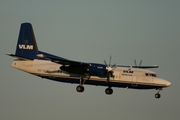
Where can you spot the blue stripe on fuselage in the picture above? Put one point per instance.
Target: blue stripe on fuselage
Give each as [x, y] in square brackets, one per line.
[102, 83]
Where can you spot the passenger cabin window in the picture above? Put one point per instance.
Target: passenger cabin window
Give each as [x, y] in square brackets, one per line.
[151, 74]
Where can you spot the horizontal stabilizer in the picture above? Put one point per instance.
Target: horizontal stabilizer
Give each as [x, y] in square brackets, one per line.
[20, 57]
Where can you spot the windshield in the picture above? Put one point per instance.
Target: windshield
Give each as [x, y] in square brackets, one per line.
[151, 74]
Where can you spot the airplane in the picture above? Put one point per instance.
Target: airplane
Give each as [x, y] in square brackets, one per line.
[29, 59]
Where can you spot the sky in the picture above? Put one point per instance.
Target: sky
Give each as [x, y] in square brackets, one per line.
[91, 31]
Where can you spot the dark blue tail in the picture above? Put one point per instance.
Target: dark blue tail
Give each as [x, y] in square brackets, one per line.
[26, 45]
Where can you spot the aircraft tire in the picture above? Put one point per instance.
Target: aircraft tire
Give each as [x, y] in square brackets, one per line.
[157, 95]
[80, 88]
[109, 91]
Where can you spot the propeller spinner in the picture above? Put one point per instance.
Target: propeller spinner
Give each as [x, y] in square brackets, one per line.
[109, 69]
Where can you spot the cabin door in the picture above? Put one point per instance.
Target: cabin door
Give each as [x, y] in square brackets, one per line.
[134, 80]
[51, 72]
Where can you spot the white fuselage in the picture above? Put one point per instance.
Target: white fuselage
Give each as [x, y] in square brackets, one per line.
[125, 77]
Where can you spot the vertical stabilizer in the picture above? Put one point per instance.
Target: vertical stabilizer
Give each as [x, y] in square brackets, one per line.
[26, 45]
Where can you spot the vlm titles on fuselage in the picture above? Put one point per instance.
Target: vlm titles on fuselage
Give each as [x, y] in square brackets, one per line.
[30, 59]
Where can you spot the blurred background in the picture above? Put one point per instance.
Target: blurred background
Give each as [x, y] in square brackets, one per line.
[91, 31]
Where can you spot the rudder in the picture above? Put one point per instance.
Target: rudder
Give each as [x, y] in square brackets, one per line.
[26, 45]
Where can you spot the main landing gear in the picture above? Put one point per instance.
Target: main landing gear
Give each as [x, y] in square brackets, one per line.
[80, 88]
[158, 95]
[109, 91]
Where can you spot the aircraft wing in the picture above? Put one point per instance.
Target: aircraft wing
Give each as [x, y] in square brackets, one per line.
[63, 61]
[143, 67]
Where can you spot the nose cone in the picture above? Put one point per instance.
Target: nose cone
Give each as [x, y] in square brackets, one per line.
[168, 83]
[163, 82]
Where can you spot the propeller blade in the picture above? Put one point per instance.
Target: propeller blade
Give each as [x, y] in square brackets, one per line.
[135, 63]
[109, 60]
[114, 68]
[105, 62]
[109, 69]
[113, 65]
[140, 63]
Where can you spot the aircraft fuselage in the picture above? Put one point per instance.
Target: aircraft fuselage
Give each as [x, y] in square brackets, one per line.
[122, 77]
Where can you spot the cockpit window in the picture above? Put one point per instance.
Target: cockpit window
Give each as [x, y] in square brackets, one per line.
[154, 75]
[151, 74]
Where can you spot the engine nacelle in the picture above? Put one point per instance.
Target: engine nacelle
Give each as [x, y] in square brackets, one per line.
[74, 69]
[90, 70]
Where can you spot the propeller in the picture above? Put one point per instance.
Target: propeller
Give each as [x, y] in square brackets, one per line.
[136, 63]
[109, 69]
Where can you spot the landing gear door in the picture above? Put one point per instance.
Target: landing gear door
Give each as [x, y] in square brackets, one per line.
[134, 80]
[51, 72]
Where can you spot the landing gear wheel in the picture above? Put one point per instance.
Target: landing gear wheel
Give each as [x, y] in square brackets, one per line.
[80, 88]
[157, 95]
[109, 91]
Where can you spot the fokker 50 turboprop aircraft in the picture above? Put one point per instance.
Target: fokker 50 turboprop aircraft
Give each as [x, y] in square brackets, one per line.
[28, 58]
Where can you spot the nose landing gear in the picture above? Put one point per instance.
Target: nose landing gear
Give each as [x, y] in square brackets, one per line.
[158, 95]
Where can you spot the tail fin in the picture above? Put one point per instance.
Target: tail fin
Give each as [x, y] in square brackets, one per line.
[26, 45]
